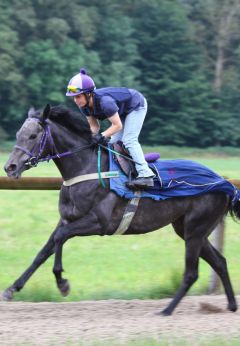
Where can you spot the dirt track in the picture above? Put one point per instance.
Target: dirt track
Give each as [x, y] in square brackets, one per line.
[104, 321]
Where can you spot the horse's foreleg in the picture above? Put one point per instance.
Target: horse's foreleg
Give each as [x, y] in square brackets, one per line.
[87, 225]
[219, 264]
[41, 257]
[193, 248]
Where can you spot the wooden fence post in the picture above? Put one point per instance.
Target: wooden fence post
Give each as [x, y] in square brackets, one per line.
[218, 243]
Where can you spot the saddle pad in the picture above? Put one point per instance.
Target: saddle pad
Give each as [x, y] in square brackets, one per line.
[175, 178]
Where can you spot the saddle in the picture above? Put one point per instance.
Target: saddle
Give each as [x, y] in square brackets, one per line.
[126, 162]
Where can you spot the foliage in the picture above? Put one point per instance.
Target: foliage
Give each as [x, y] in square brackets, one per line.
[3, 135]
[168, 49]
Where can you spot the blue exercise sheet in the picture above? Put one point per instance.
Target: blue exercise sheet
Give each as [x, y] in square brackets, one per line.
[175, 178]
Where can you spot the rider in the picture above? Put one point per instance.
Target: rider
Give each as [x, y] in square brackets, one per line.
[124, 108]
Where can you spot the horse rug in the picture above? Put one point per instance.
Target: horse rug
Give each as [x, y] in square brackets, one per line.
[174, 178]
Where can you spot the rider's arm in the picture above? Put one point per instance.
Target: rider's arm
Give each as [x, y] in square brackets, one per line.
[94, 124]
[116, 125]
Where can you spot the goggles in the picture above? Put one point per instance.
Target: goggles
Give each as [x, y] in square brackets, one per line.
[73, 89]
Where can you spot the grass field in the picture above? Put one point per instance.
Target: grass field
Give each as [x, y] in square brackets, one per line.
[143, 266]
[174, 342]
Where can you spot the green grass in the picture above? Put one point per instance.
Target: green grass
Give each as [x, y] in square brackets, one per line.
[141, 266]
[163, 341]
[194, 340]
[166, 341]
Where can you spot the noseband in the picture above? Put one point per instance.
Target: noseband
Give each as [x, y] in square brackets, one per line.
[46, 139]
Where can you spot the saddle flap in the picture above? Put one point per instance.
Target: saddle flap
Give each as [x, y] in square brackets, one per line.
[127, 166]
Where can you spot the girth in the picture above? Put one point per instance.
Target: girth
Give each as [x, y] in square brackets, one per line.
[132, 204]
[128, 214]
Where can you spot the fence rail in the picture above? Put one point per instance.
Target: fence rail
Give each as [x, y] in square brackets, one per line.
[46, 183]
[31, 183]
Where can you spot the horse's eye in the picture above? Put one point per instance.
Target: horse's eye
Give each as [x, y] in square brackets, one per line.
[33, 136]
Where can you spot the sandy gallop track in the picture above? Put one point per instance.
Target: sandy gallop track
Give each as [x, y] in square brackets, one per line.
[71, 323]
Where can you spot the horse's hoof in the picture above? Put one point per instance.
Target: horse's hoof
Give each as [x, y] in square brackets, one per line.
[232, 307]
[164, 312]
[7, 295]
[64, 287]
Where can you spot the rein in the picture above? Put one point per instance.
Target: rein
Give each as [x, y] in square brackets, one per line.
[47, 138]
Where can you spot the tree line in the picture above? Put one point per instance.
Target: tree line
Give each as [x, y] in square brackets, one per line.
[183, 55]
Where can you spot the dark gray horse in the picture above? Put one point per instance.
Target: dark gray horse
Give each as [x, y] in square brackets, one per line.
[87, 208]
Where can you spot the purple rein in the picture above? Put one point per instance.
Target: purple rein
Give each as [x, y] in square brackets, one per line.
[46, 138]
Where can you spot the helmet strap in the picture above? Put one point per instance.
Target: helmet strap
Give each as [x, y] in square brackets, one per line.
[88, 97]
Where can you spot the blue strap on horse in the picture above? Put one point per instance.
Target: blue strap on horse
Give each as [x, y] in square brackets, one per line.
[99, 168]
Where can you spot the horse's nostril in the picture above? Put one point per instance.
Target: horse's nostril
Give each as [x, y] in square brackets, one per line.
[10, 168]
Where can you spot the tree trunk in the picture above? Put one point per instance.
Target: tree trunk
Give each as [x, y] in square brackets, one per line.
[223, 39]
[219, 68]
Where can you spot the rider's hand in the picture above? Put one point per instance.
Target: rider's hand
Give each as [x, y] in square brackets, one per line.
[100, 139]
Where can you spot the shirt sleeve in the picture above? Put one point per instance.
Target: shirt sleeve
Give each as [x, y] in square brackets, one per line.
[109, 106]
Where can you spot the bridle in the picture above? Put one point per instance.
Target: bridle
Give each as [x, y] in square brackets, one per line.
[47, 138]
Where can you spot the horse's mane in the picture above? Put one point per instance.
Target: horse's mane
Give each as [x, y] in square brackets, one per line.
[72, 120]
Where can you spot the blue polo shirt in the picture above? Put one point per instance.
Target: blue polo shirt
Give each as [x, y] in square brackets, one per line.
[108, 101]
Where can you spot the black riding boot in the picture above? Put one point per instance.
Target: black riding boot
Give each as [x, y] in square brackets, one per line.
[142, 182]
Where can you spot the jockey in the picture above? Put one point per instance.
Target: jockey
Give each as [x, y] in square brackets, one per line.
[124, 108]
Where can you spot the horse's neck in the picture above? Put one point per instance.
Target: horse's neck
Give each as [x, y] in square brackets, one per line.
[85, 161]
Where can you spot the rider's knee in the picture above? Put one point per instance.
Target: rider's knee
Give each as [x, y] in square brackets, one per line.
[129, 143]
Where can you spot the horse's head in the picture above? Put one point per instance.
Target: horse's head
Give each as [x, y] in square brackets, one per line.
[29, 143]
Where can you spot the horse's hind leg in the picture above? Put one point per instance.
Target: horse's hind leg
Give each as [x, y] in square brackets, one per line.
[219, 264]
[193, 248]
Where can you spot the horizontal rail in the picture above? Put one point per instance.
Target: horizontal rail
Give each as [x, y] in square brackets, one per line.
[46, 183]
[31, 183]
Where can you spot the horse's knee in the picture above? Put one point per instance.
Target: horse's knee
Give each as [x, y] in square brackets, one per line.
[221, 268]
[190, 278]
[59, 237]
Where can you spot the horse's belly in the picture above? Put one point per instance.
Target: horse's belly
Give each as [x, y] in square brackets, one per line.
[152, 215]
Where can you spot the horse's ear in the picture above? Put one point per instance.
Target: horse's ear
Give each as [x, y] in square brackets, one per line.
[31, 112]
[46, 112]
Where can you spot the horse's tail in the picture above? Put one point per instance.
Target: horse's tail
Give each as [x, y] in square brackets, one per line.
[235, 209]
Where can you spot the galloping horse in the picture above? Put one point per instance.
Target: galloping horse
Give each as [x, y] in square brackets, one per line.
[86, 208]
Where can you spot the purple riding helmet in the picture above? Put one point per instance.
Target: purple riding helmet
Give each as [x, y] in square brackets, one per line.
[80, 83]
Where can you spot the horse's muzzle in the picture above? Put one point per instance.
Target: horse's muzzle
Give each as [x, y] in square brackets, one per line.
[11, 170]
[14, 171]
